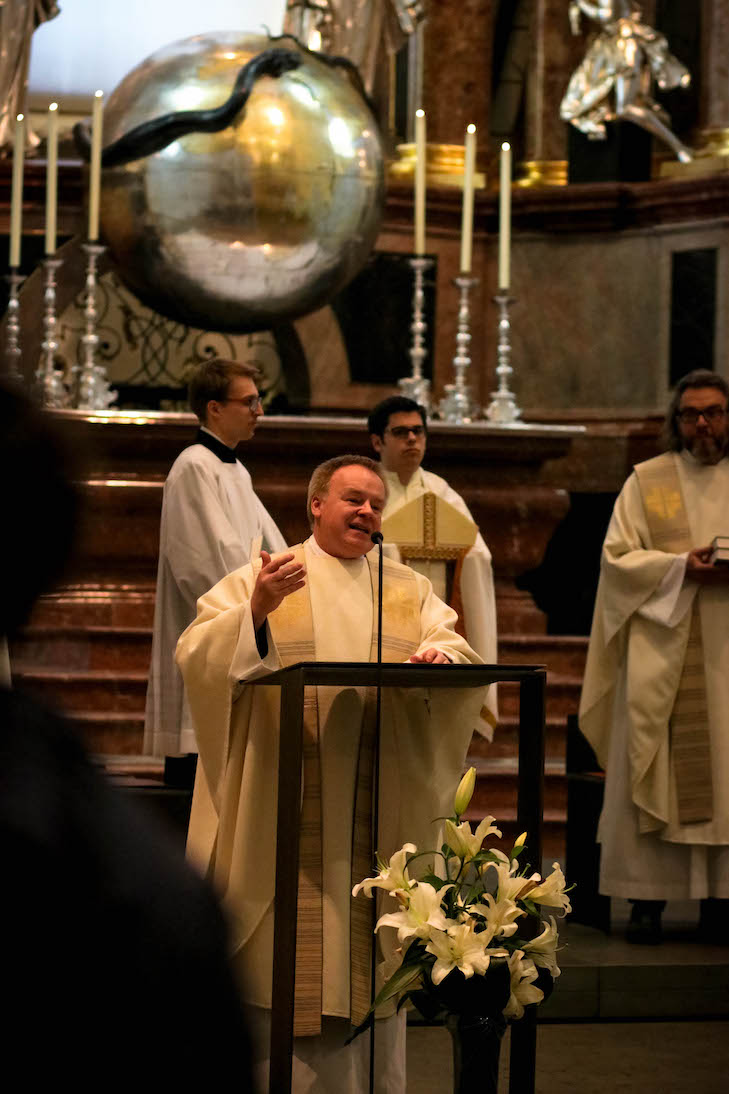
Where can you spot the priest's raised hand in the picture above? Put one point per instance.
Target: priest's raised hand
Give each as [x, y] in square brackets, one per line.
[278, 577]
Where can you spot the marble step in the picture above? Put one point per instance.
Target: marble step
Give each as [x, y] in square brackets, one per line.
[49, 646]
[96, 605]
[110, 733]
[85, 690]
[563, 696]
[560, 653]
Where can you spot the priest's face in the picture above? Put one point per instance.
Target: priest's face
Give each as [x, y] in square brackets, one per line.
[234, 418]
[703, 423]
[350, 511]
[402, 446]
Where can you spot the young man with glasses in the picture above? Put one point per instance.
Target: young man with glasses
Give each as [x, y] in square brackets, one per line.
[398, 433]
[655, 701]
[210, 518]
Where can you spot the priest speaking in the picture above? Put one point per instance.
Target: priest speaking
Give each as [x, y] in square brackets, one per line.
[318, 602]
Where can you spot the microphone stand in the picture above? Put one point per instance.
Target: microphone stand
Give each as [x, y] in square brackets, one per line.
[376, 539]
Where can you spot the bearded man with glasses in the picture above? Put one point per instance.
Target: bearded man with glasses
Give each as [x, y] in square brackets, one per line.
[655, 700]
[212, 520]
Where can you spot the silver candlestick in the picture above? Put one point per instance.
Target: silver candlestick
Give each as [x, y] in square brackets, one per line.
[49, 380]
[457, 406]
[94, 392]
[12, 327]
[503, 408]
[416, 386]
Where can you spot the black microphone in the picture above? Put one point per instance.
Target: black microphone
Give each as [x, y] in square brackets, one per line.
[377, 538]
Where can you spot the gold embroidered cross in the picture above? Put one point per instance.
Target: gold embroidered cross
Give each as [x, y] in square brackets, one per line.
[663, 503]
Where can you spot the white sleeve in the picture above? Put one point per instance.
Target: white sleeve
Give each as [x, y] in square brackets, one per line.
[673, 597]
[198, 539]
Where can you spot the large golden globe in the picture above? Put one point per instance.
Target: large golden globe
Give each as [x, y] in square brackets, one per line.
[260, 223]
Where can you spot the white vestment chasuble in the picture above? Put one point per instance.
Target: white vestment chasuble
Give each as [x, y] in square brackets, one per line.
[210, 517]
[637, 651]
[476, 575]
[425, 736]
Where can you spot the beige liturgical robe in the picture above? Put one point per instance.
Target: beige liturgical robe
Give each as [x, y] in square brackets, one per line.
[637, 646]
[477, 577]
[425, 737]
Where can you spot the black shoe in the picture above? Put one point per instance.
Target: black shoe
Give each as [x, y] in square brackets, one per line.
[714, 921]
[644, 928]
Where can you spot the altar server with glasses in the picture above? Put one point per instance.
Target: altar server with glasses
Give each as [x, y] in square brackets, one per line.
[211, 519]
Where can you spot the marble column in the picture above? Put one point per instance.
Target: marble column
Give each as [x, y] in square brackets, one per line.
[715, 76]
[457, 41]
[555, 53]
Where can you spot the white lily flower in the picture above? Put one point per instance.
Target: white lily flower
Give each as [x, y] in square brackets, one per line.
[420, 916]
[465, 792]
[460, 948]
[466, 843]
[393, 877]
[500, 915]
[551, 891]
[510, 885]
[523, 974]
[543, 948]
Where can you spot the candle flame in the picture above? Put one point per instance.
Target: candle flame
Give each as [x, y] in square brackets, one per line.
[471, 128]
[98, 94]
[53, 106]
[505, 147]
[419, 113]
[20, 117]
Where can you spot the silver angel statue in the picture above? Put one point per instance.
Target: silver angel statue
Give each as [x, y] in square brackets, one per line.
[18, 20]
[356, 29]
[614, 80]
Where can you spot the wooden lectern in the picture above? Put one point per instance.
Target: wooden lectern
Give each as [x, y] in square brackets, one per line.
[292, 680]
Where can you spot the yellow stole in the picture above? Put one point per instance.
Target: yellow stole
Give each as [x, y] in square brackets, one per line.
[689, 724]
[292, 630]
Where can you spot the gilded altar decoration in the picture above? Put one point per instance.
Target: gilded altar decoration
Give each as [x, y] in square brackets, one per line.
[18, 20]
[615, 78]
[361, 30]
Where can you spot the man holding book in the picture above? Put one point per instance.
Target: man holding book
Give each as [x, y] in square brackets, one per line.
[655, 701]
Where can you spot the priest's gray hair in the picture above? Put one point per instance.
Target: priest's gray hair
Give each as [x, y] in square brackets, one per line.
[319, 481]
[210, 382]
[700, 377]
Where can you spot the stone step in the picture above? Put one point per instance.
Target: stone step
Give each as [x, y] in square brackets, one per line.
[109, 733]
[83, 647]
[563, 696]
[560, 653]
[89, 605]
[506, 739]
[85, 689]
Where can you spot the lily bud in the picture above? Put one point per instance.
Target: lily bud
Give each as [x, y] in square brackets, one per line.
[465, 792]
[521, 840]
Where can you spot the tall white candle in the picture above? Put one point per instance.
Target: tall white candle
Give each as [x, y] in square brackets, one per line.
[51, 178]
[420, 164]
[505, 218]
[16, 195]
[469, 167]
[97, 123]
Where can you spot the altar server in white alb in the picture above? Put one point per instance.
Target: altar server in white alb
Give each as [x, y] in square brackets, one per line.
[210, 518]
[398, 433]
[655, 702]
[318, 602]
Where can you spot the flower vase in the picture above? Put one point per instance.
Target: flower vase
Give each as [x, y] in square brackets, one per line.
[476, 1048]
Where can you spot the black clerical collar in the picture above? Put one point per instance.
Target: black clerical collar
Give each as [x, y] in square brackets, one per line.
[227, 455]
